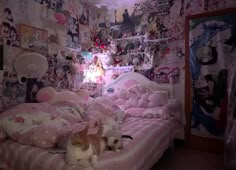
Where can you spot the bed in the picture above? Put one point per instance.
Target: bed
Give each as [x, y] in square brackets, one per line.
[152, 135]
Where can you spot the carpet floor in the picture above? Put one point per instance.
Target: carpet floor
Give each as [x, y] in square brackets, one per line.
[181, 158]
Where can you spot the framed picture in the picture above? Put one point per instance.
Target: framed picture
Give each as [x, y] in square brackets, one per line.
[210, 48]
[32, 38]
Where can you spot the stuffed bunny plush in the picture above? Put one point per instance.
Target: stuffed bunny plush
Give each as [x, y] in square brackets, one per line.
[51, 96]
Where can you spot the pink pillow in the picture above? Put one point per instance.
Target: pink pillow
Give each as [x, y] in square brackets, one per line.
[143, 103]
[122, 94]
[28, 108]
[120, 101]
[139, 89]
[158, 98]
[150, 113]
[135, 111]
[70, 110]
[42, 136]
[29, 127]
[132, 102]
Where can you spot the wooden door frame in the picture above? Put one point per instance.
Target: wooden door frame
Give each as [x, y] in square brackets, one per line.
[195, 142]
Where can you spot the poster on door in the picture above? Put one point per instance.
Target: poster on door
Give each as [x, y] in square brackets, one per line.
[212, 41]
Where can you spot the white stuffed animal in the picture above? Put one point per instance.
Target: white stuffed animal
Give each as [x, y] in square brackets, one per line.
[49, 95]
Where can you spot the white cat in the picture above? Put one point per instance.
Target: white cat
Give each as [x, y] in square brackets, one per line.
[84, 148]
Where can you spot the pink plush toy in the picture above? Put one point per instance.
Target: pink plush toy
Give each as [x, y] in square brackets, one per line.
[49, 95]
[140, 96]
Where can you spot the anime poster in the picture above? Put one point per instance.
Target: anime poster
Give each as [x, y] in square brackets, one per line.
[165, 74]
[8, 29]
[13, 92]
[52, 4]
[73, 33]
[212, 41]
[84, 17]
[135, 18]
[33, 38]
[61, 73]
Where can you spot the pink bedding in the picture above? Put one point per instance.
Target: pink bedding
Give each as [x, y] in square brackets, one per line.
[149, 113]
[151, 137]
[41, 124]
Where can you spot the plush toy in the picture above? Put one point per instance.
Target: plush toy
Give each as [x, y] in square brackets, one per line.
[49, 95]
[139, 96]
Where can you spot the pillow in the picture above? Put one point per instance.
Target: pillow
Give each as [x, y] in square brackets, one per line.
[158, 98]
[43, 136]
[149, 113]
[141, 96]
[50, 95]
[28, 108]
[33, 128]
[104, 107]
[139, 89]
[71, 110]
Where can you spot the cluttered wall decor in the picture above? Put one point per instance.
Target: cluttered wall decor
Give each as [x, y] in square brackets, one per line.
[210, 41]
[132, 37]
[137, 31]
[145, 36]
[8, 30]
[32, 38]
[165, 74]
[48, 28]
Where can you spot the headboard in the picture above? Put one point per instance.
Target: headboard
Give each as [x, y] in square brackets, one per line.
[126, 80]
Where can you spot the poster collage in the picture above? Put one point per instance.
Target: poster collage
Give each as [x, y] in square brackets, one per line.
[21, 34]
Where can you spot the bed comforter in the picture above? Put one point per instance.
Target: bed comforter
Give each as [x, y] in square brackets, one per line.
[151, 137]
[35, 128]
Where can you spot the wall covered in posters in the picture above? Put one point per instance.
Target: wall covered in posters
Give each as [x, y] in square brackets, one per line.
[50, 28]
[145, 35]
[150, 31]
[138, 33]
[212, 41]
[153, 27]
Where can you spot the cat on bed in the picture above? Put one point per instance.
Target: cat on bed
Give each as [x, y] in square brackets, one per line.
[84, 148]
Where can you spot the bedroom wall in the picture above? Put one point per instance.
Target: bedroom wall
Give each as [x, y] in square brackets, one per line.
[67, 27]
[73, 26]
[169, 18]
